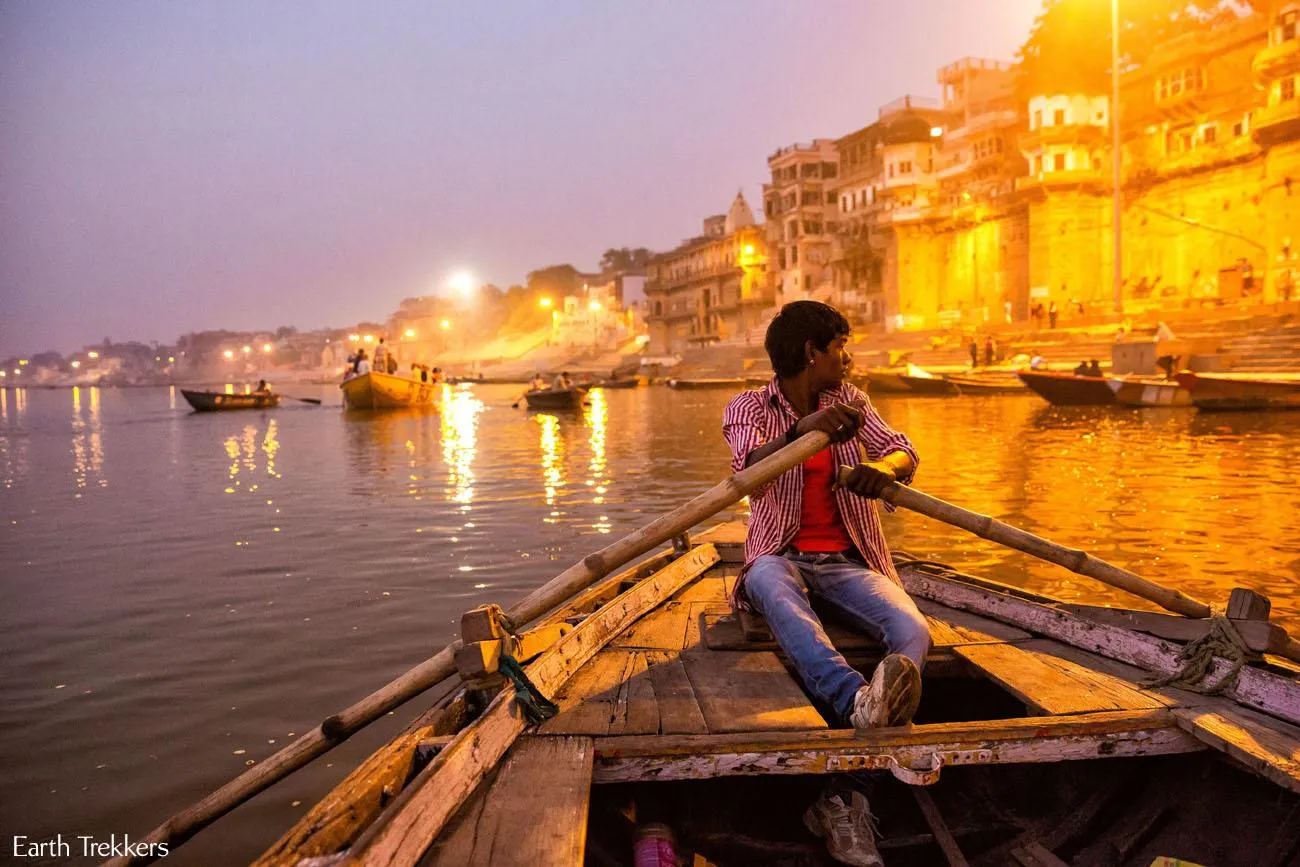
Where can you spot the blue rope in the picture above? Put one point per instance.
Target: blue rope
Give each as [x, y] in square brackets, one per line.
[537, 708]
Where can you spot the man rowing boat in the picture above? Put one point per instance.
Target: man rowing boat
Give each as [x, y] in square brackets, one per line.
[808, 535]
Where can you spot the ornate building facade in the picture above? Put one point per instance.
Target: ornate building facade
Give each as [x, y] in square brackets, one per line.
[709, 288]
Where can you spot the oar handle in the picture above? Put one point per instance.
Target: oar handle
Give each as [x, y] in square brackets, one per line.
[1077, 561]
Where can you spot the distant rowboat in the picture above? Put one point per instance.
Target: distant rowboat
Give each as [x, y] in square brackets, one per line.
[1211, 391]
[384, 391]
[712, 382]
[213, 401]
[556, 398]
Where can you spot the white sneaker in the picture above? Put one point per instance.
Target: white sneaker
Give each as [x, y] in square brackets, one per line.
[846, 823]
[891, 697]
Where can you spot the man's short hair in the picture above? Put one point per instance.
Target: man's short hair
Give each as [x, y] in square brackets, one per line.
[796, 324]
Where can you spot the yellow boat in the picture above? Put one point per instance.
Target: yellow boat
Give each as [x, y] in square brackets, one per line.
[384, 391]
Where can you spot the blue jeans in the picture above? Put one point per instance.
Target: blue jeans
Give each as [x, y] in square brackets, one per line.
[775, 585]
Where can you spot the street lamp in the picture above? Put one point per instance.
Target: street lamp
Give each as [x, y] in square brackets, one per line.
[463, 283]
[545, 302]
[1116, 277]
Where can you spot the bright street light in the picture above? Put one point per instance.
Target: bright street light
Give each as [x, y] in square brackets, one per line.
[229, 354]
[545, 302]
[76, 364]
[445, 324]
[463, 283]
[266, 347]
[93, 354]
[410, 332]
[594, 306]
[247, 349]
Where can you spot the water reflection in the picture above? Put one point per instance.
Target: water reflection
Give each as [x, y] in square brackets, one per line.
[595, 416]
[171, 397]
[87, 440]
[552, 449]
[242, 451]
[460, 412]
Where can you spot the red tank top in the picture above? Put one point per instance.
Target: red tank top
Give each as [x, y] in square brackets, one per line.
[821, 529]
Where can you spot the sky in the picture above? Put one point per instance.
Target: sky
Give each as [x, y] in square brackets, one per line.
[174, 167]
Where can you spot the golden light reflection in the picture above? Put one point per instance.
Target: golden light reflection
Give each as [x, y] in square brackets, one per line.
[460, 412]
[271, 445]
[87, 440]
[4, 404]
[171, 397]
[596, 416]
[552, 448]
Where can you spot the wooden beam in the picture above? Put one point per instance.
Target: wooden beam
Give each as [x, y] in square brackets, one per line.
[1248, 605]
[942, 836]
[402, 833]
[1259, 635]
[535, 811]
[1013, 741]
[1266, 747]
[1271, 693]
[1053, 686]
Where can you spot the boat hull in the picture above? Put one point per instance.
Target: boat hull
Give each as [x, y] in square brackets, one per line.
[1149, 392]
[716, 382]
[1067, 389]
[973, 386]
[550, 398]
[882, 381]
[928, 386]
[1211, 392]
[213, 401]
[372, 391]
[618, 383]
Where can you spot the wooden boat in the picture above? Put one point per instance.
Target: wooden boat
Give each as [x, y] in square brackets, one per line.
[978, 385]
[629, 382]
[1218, 391]
[673, 710]
[708, 382]
[384, 391]
[553, 398]
[1067, 389]
[933, 386]
[1143, 391]
[214, 401]
[886, 380]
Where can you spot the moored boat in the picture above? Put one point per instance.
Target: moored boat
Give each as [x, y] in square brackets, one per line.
[708, 382]
[1067, 389]
[556, 398]
[674, 711]
[977, 385]
[628, 382]
[931, 386]
[384, 391]
[1221, 391]
[886, 380]
[1143, 391]
[214, 401]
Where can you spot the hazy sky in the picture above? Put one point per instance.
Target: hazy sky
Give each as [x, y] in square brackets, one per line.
[174, 166]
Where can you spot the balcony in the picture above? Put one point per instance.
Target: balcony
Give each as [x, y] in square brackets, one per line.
[1034, 140]
[1277, 123]
[1276, 61]
[1086, 178]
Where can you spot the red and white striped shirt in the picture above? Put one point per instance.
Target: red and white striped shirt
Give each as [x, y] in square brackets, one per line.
[755, 418]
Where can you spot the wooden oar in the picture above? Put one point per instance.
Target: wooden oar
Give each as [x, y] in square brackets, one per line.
[313, 400]
[1079, 562]
[335, 729]
[515, 405]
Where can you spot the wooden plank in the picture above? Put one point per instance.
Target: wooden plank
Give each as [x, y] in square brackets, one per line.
[1263, 690]
[635, 710]
[455, 845]
[1129, 675]
[662, 629]
[402, 833]
[1259, 635]
[726, 533]
[1247, 604]
[1262, 744]
[971, 628]
[679, 712]
[587, 700]
[710, 588]
[750, 691]
[337, 819]
[1026, 739]
[942, 836]
[1050, 685]
[702, 613]
[535, 812]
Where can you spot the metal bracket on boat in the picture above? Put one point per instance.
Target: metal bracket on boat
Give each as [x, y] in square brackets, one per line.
[913, 775]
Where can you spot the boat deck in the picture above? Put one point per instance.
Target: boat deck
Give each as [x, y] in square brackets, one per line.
[686, 691]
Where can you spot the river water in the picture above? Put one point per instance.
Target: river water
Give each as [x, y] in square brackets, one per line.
[182, 594]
